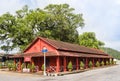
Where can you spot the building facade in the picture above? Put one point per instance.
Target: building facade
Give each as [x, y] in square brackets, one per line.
[59, 55]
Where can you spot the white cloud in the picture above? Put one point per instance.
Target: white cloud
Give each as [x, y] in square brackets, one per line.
[10, 6]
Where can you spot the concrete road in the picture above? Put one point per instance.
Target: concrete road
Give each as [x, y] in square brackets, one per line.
[104, 74]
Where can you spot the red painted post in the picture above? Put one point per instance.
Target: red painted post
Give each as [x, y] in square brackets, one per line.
[58, 64]
[77, 65]
[86, 63]
[65, 64]
[20, 63]
[32, 61]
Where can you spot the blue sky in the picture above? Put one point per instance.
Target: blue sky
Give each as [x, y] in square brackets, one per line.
[101, 16]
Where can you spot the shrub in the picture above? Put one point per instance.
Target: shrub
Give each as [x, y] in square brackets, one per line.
[102, 63]
[114, 62]
[8, 62]
[97, 64]
[42, 68]
[81, 65]
[9, 66]
[110, 62]
[107, 63]
[29, 66]
[14, 67]
[70, 66]
[90, 64]
[33, 67]
[0, 65]
[22, 66]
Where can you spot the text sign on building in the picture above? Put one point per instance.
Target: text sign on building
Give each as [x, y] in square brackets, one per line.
[27, 59]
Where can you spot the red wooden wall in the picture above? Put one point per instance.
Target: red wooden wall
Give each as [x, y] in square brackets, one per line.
[38, 45]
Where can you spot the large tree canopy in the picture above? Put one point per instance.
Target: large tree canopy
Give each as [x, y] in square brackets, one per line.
[54, 21]
[89, 39]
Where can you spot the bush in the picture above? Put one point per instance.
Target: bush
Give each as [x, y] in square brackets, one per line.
[114, 62]
[33, 67]
[70, 66]
[22, 66]
[9, 66]
[14, 67]
[81, 65]
[110, 62]
[102, 63]
[8, 62]
[90, 64]
[42, 68]
[29, 66]
[0, 65]
[97, 64]
[107, 63]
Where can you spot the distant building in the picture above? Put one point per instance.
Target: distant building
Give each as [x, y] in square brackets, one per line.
[4, 57]
[59, 55]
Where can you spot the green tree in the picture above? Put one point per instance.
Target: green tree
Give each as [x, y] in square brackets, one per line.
[89, 39]
[54, 21]
[112, 52]
[64, 22]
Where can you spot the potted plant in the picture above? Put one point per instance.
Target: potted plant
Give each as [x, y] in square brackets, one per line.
[70, 66]
[97, 64]
[22, 66]
[114, 62]
[107, 63]
[81, 65]
[110, 62]
[102, 63]
[42, 68]
[90, 64]
[32, 67]
[28, 67]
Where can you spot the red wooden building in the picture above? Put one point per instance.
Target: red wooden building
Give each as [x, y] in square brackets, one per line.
[59, 55]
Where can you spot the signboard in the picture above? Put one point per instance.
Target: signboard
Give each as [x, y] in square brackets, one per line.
[27, 59]
[44, 50]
